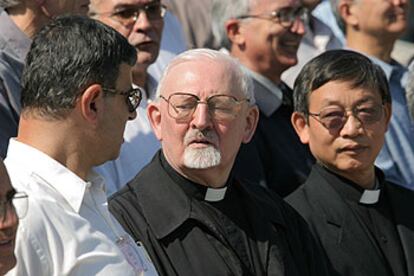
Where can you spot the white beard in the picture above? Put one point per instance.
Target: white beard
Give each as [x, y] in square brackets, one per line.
[202, 158]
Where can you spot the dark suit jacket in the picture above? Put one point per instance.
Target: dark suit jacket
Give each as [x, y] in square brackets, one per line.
[275, 158]
[348, 246]
[182, 239]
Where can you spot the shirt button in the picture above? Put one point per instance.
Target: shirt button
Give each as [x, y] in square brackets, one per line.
[384, 239]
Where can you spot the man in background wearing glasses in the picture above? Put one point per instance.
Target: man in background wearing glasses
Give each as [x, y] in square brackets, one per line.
[141, 22]
[76, 100]
[265, 35]
[186, 207]
[365, 223]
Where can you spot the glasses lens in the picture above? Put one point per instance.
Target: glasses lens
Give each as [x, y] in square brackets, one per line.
[134, 99]
[288, 16]
[154, 11]
[223, 107]
[332, 118]
[20, 203]
[182, 106]
[369, 115]
[126, 16]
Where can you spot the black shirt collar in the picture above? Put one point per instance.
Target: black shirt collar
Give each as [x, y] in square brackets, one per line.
[193, 189]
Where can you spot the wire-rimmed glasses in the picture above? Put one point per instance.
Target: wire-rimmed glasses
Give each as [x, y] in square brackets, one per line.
[181, 106]
[334, 118]
[127, 17]
[285, 16]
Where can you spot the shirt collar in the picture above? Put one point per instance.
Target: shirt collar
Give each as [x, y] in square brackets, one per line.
[41, 166]
[352, 191]
[18, 41]
[268, 99]
[193, 189]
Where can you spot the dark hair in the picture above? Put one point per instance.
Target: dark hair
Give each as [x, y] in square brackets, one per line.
[66, 56]
[342, 66]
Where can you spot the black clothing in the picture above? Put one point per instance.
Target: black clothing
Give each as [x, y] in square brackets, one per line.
[275, 157]
[250, 232]
[359, 239]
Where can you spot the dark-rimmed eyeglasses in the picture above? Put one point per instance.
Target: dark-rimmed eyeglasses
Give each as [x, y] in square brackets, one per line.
[133, 96]
[334, 118]
[285, 16]
[128, 16]
[181, 106]
[13, 201]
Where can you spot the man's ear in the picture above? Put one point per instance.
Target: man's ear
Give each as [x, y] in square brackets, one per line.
[91, 103]
[234, 32]
[251, 123]
[346, 9]
[387, 113]
[301, 126]
[154, 117]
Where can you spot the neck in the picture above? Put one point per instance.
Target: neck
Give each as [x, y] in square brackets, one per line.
[273, 76]
[376, 46]
[28, 17]
[51, 137]
[139, 75]
[365, 179]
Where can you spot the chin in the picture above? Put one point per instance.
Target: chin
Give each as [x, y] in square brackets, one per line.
[7, 263]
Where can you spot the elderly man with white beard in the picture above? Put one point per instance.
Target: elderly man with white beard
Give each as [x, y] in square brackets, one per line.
[186, 207]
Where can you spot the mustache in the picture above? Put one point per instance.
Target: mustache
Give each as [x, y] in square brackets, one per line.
[207, 135]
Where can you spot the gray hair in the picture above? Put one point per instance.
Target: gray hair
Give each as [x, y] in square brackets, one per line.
[241, 78]
[223, 10]
[9, 3]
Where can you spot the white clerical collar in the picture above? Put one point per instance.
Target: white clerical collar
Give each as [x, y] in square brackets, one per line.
[214, 195]
[371, 196]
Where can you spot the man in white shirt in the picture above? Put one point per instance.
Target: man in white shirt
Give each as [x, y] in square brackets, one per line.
[76, 100]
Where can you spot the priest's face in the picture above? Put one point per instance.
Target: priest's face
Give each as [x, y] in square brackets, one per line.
[346, 127]
[202, 117]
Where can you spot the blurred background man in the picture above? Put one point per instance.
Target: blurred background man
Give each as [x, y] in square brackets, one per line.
[264, 36]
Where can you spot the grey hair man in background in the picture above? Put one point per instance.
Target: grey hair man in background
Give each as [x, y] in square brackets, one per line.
[264, 36]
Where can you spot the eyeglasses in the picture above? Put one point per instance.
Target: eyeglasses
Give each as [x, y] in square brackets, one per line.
[128, 16]
[133, 99]
[285, 16]
[335, 118]
[7, 206]
[181, 106]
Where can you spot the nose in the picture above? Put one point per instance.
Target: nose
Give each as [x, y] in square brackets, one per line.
[142, 22]
[9, 219]
[352, 127]
[298, 26]
[201, 117]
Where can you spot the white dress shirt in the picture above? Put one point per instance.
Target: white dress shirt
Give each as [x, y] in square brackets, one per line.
[68, 229]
